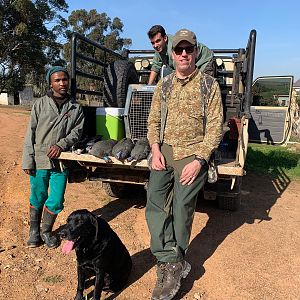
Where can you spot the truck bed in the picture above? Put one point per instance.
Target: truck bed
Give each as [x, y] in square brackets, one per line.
[224, 167]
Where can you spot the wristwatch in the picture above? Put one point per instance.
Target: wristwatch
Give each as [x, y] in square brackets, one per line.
[201, 160]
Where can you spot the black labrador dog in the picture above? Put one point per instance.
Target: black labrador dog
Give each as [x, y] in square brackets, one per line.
[99, 252]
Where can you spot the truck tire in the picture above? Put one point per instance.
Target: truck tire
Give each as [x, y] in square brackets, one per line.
[113, 189]
[231, 200]
[118, 76]
[231, 203]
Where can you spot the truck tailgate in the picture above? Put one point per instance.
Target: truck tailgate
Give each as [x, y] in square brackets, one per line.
[224, 167]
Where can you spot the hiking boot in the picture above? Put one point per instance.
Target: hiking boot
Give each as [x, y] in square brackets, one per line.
[172, 278]
[160, 273]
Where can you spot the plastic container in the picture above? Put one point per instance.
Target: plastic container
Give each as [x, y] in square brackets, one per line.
[109, 123]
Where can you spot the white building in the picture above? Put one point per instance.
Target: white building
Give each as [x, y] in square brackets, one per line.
[6, 99]
[25, 97]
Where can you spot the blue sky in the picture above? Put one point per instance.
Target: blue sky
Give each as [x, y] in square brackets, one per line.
[217, 24]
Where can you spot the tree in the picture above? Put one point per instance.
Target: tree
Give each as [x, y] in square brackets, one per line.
[28, 39]
[99, 28]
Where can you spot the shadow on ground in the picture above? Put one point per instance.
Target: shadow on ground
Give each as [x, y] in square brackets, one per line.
[257, 202]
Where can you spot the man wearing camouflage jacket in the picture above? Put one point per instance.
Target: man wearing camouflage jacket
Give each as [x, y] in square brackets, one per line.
[184, 127]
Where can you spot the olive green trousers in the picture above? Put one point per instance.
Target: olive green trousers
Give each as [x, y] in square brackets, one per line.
[170, 208]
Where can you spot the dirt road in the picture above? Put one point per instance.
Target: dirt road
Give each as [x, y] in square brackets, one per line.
[250, 254]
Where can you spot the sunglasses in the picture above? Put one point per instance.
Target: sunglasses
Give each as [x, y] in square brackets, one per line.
[188, 50]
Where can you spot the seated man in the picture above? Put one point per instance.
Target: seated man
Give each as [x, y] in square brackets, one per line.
[162, 44]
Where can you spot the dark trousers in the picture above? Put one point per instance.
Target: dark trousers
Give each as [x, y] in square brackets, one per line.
[170, 208]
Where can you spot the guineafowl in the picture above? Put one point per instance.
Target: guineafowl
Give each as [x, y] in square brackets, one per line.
[122, 149]
[140, 151]
[103, 149]
[84, 144]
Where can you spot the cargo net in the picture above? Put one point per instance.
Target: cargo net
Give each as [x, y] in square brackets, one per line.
[138, 113]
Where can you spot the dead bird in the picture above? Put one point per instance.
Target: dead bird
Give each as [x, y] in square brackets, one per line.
[122, 149]
[140, 151]
[85, 144]
[92, 141]
[103, 149]
[79, 146]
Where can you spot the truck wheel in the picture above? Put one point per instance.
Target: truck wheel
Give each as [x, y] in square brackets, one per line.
[231, 200]
[113, 189]
[118, 76]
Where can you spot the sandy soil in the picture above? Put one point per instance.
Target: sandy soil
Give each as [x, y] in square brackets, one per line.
[250, 254]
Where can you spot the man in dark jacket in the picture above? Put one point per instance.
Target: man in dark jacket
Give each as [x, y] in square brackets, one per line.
[56, 123]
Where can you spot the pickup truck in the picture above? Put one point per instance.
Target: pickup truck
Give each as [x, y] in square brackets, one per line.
[256, 111]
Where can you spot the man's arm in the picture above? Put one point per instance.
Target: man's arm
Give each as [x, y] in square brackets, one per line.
[28, 157]
[205, 55]
[158, 161]
[152, 77]
[214, 122]
[75, 133]
[156, 65]
[154, 118]
[154, 123]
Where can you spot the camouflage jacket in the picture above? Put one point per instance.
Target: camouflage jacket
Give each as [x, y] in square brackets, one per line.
[187, 115]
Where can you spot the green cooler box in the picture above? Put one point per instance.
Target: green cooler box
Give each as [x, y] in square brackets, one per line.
[109, 123]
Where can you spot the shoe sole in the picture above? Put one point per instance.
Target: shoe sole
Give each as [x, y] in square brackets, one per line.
[184, 274]
[33, 245]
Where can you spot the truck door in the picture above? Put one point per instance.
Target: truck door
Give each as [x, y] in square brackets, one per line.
[270, 120]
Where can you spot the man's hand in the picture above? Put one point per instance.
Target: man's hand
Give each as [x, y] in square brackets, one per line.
[29, 171]
[158, 160]
[54, 151]
[190, 172]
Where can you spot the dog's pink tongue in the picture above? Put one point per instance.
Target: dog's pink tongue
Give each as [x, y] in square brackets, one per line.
[67, 247]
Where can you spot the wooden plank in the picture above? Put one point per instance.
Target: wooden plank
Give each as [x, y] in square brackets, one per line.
[93, 159]
[225, 168]
[230, 170]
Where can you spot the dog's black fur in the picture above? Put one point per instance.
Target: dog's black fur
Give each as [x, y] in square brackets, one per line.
[98, 249]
